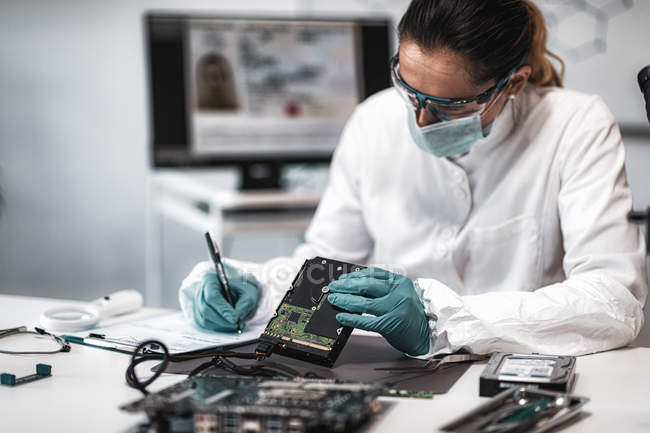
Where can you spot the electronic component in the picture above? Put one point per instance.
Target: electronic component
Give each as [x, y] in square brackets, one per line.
[519, 410]
[507, 370]
[225, 404]
[304, 326]
[42, 371]
[405, 393]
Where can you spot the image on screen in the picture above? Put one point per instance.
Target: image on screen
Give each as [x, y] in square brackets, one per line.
[269, 85]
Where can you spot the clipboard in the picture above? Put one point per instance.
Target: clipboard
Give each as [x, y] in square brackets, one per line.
[179, 335]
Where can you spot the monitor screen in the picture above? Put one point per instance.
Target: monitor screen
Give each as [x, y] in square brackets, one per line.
[228, 90]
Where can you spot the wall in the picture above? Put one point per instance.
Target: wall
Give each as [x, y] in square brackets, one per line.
[73, 140]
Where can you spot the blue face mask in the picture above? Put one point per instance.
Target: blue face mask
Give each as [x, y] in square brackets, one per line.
[449, 138]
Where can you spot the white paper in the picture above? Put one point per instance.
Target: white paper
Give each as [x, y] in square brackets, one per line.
[175, 332]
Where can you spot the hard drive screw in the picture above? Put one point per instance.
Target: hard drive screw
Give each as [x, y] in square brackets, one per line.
[325, 289]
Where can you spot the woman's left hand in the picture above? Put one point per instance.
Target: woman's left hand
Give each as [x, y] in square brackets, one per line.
[398, 312]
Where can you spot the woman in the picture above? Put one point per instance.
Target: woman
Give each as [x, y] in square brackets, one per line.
[500, 196]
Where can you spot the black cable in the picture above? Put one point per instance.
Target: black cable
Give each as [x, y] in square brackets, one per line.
[132, 378]
[289, 372]
[144, 353]
[214, 362]
[263, 369]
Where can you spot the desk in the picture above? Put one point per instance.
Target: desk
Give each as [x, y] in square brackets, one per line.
[87, 386]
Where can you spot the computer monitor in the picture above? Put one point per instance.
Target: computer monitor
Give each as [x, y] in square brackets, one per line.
[258, 92]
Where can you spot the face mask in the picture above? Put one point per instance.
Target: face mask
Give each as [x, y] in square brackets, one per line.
[450, 138]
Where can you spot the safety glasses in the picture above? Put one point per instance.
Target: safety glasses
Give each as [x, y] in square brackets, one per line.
[445, 108]
[20, 341]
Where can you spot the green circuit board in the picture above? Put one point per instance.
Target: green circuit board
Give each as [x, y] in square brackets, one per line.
[290, 323]
[257, 404]
[405, 393]
[304, 325]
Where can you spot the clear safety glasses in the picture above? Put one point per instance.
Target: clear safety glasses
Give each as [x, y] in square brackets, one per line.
[445, 108]
[20, 341]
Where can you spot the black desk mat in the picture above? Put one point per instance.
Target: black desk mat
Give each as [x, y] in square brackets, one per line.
[361, 355]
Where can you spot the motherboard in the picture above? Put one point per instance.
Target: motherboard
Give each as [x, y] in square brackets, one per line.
[236, 404]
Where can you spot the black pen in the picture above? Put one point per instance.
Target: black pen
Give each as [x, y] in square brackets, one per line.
[221, 272]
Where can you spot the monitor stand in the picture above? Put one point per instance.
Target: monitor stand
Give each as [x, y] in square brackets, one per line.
[260, 175]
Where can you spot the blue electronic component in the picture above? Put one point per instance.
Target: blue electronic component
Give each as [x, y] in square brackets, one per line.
[42, 371]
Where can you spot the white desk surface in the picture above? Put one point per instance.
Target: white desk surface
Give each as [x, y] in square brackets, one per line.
[87, 386]
[205, 187]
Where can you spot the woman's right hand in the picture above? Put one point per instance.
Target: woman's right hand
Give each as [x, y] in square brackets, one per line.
[211, 309]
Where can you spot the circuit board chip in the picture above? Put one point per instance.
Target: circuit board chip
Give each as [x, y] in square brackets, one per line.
[294, 317]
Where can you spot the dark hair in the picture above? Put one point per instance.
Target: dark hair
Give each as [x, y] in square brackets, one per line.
[492, 35]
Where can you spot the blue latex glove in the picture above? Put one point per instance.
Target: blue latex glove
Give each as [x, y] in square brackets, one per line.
[391, 298]
[212, 310]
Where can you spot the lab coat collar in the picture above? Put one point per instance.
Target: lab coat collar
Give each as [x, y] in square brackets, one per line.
[502, 126]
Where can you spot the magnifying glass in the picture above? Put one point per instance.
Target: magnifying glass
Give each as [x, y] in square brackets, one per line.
[72, 318]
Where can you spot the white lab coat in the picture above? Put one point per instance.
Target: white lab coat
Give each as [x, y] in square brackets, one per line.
[520, 245]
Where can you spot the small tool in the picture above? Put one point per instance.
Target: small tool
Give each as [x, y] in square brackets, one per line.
[434, 363]
[519, 409]
[73, 318]
[42, 371]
